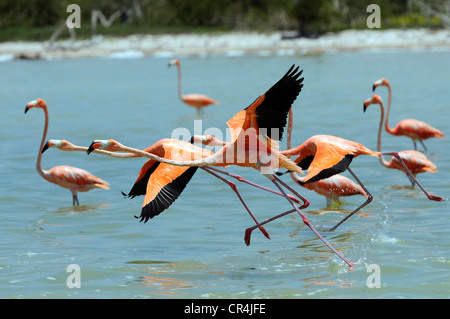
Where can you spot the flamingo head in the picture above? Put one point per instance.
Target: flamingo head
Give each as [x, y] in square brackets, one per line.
[382, 81]
[107, 145]
[174, 62]
[62, 145]
[207, 140]
[52, 143]
[375, 99]
[36, 103]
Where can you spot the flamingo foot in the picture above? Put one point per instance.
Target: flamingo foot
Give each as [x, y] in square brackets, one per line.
[436, 198]
[248, 234]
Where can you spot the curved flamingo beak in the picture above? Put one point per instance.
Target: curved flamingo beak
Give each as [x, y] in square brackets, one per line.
[30, 105]
[94, 145]
[50, 144]
[97, 144]
[376, 84]
[367, 103]
[46, 146]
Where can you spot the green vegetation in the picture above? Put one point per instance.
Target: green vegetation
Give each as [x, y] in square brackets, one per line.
[38, 19]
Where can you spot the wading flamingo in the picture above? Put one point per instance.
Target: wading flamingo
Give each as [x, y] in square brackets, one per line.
[414, 129]
[75, 179]
[332, 187]
[416, 161]
[251, 145]
[199, 101]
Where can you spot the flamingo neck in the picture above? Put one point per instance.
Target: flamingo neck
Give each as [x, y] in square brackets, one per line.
[380, 130]
[180, 94]
[200, 162]
[289, 132]
[113, 154]
[39, 169]
[388, 128]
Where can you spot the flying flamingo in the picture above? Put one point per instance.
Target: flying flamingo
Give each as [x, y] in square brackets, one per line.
[162, 183]
[326, 155]
[414, 129]
[199, 101]
[332, 187]
[416, 161]
[252, 130]
[150, 172]
[75, 179]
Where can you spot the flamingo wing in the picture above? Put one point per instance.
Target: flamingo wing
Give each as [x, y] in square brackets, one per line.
[324, 156]
[75, 178]
[140, 185]
[161, 184]
[270, 110]
[336, 186]
[164, 186]
[198, 100]
[417, 129]
[416, 162]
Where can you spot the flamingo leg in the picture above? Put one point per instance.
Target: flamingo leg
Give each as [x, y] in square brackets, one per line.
[75, 200]
[234, 188]
[248, 231]
[277, 183]
[421, 142]
[241, 179]
[430, 196]
[369, 199]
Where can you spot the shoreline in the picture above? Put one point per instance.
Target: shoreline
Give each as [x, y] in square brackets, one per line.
[228, 44]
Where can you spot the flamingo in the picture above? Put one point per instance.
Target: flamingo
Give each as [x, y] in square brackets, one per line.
[416, 161]
[199, 101]
[326, 155]
[332, 187]
[414, 129]
[149, 170]
[75, 179]
[251, 145]
[172, 178]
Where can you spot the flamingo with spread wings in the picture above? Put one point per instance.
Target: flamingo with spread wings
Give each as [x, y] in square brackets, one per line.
[73, 178]
[160, 183]
[414, 129]
[252, 144]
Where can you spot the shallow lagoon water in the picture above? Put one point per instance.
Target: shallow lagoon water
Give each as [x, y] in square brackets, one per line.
[196, 249]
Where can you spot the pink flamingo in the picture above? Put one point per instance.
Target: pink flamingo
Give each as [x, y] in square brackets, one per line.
[414, 160]
[199, 101]
[332, 187]
[414, 129]
[252, 144]
[162, 183]
[72, 178]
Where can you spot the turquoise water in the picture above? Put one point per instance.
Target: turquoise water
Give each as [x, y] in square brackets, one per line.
[195, 249]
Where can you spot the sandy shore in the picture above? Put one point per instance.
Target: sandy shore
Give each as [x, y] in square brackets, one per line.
[230, 44]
